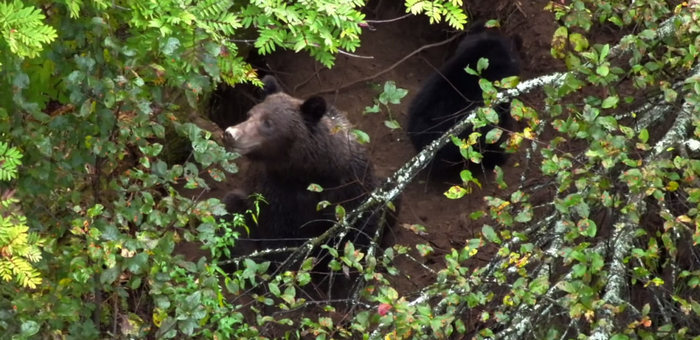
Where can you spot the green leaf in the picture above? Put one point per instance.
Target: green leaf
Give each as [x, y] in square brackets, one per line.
[481, 65]
[524, 215]
[362, 137]
[313, 187]
[392, 124]
[493, 23]
[322, 205]
[392, 94]
[138, 263]
[559, 41]
[579, 270]
[467, 177]
[670, 95]
[455, 192]
[493, 135]
[616, 20]
[629, 132]
[490, 234]
[610, 102]
[609, 122]
[170, 46]
[274, 288]
[109, 275]
[587, 227]
[339, 212]
[643, 135]
[602, 70]
[572, 61]
[424, 249]
[87, 108]
[539, 286]
[604, 51]
[289, 295]
[619, 337]
[135, 282]
[372, 109]
[491, 116]
[29, 328]
[510, 82]
[578, 41]
[303, 279]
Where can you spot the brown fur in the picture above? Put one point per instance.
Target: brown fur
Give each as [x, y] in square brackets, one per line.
[292, 143]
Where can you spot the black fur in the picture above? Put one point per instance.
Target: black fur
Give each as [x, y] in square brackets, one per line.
[449, 94]
[270, 85]
[313, 109]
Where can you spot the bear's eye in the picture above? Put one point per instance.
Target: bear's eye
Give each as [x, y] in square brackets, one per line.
[267, 124]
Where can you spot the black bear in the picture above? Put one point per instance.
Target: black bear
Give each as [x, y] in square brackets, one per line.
[292, 143]
[450, 93]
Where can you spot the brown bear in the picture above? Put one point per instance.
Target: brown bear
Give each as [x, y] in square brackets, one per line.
[292, 143]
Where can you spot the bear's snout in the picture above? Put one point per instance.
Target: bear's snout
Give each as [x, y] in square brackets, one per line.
[232, 134]
[240, 139]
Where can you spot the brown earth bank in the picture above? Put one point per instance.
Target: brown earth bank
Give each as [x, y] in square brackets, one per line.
[385, 54]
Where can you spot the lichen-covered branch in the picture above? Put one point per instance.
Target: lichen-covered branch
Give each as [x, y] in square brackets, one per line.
[622, 239]
[623, 233]
[617, 285]
[524, 316]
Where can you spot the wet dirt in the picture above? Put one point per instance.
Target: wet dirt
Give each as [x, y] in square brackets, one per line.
[384, 51]
[385, 54]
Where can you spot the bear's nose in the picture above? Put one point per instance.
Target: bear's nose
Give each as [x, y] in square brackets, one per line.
[231, 135]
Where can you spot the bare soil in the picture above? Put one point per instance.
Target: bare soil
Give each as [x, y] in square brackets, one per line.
[383, 46]
[383, 57]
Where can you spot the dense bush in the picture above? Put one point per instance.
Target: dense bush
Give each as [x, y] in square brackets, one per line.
[92, 90]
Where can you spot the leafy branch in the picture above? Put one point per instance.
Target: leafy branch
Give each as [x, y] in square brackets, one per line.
[23, 30]
[554, 270]
[18, 248]
[437, 10]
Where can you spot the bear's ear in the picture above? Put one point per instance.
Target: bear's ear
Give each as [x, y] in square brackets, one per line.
[270, 85]
[313, 109]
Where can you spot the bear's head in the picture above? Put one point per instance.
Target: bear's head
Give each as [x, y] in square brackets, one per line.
[282, 129]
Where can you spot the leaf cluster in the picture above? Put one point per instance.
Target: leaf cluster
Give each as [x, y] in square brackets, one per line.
[22, 29]
[18, 247]
[602, 242]
[437, 10]
[321, 27]
[390, 94]
[104, 96]
[597, 236]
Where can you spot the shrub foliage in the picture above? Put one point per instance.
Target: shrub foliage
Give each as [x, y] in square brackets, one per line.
[95, 93]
